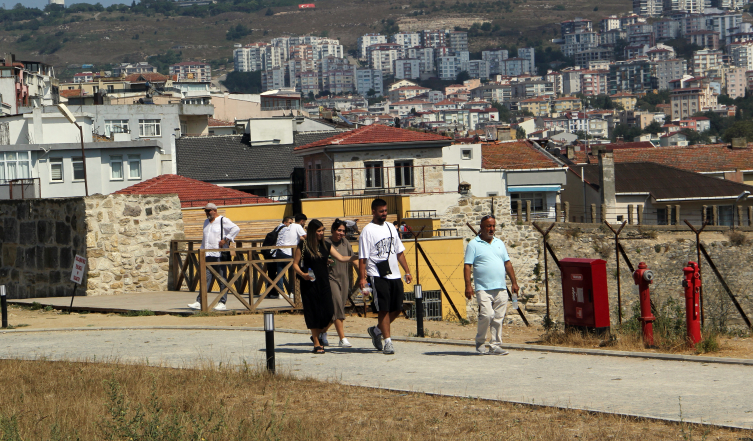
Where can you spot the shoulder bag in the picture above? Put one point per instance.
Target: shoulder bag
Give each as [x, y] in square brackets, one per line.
[224, 255]
[383, 267]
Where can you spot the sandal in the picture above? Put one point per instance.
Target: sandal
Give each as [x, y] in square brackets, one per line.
[318, 350]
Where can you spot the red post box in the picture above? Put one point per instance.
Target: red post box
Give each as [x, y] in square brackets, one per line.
[585, 296]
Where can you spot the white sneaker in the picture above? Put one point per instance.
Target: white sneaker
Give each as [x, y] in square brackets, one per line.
[194, 305]
[496, 350]
[388, 348]
[323, 339]
[220, 307]
[483, 350]
[344, 343]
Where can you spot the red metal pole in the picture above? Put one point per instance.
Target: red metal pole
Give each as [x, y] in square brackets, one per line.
[643, 277]
[692, 285]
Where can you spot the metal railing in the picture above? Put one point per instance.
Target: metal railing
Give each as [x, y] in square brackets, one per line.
[421, 213]
[239, 200]
[26, 188]
[377, 180]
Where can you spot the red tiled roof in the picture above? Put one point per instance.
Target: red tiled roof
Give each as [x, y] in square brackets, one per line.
[695, 158]
[375, 134]
[514, 155]
[193, 193]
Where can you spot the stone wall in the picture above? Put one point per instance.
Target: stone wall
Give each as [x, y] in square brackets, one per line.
[521, 241]
[128, 241]
[40, 239]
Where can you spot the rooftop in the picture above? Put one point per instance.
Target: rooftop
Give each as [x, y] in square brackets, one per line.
[520, 154]
[374, 134]
[193, 193]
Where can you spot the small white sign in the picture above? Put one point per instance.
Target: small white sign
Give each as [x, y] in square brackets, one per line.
[77, 275]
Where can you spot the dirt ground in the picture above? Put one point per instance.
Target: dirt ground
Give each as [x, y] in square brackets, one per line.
[736, 347]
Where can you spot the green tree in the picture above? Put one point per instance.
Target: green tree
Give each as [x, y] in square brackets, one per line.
[371, 93]
[243, 82]
[740, 129]
[653, 128]
[462, 76]
[627, 133]
[269, 12]
[693, 137]
[520, 133]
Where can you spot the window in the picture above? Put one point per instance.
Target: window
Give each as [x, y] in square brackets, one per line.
[373, 174]
[116, 167]
[134, 166]
[519, 200]
[116, 126]
[56, 169]
[78, 168]
[466, 154]
[403, 173]
[14, 165]
[149, 127]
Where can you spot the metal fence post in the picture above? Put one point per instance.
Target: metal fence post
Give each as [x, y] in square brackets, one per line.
[419, 297]
[4, 306]
[269, 334]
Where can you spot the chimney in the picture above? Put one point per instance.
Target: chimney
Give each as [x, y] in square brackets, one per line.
[571, 152]
[606, 179]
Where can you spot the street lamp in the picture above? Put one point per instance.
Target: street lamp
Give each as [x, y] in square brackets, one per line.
[744, 195]
[62, 108]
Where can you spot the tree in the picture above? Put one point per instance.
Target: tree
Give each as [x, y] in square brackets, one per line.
[269, 12]
[243, 82]
[693, 137]
[627, 133]
[371, 93]
[520, 133]
[740, 129]
[462, 76]
[653, 128]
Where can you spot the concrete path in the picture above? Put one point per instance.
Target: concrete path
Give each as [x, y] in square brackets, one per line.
[708, 392]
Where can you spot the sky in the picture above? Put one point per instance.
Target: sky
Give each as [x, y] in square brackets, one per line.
[42, 3]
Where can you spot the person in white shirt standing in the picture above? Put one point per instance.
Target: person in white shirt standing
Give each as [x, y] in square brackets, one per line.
[380, 249]
[219, 231]
[289, 236]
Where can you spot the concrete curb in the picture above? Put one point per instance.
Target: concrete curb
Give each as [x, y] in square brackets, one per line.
[520, 347]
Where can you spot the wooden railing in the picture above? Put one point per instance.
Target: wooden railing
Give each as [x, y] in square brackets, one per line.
[246, 273]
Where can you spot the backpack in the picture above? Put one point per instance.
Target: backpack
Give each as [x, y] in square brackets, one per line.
[270, 240]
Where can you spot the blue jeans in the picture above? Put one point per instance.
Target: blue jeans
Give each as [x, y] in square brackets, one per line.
[280, 268]
[222, 269]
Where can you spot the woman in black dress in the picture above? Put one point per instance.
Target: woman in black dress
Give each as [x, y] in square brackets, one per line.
[311, 255]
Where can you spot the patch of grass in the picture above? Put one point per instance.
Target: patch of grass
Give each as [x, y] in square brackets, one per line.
[572, 233]
[648, 233]
[141, 313]
[35, 306]
[48, 308]
[206, 314]
[22, 325]
[710, 343]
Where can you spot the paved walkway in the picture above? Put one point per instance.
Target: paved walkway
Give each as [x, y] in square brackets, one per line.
[708, 392]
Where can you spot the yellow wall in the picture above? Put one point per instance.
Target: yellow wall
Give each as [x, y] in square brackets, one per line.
[325, 207]
[416, 224]
[252, 212]
[446, 256]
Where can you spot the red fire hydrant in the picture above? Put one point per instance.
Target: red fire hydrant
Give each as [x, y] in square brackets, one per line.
[692, 285]
[644, 277]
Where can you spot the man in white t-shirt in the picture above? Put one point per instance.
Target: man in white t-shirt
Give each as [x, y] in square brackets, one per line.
[289, 235]
[380, 250]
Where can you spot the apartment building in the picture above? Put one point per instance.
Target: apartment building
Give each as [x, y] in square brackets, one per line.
[478, 69]
[694, 95]
[493, 92]
[495, 59]
[364, 41]
[578, 42]
[434, 38]
[567, 104]
[741, 55]
[407, 39]
[382, 56]
[575, 26]
[528, 53]
[249, 58]
[338, 81]
[666, 30]
[647, 8]
[530, 89]
[609, 23]
[594, 82]
[706, 60]
[425, 56]
[538, 106]
[668, 70]
[192, 71]
[273, 79]
[125, 69]
[458, 41]
[632, 76]
[704, 39]
[407, 69]
[369, 79]
[735, 81]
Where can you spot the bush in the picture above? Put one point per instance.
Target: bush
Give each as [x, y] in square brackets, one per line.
[737, 238]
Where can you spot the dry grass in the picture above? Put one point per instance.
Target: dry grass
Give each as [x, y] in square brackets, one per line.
[72, 400]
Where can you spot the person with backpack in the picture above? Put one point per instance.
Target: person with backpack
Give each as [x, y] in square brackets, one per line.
[270, 240]
[289, 236]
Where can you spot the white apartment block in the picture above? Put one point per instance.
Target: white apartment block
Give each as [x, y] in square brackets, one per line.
[723, 23]
[249, 58]
[273, 79]
[407, 69]
[736, 82]
[327, 48]
[448, 67]
[706, 60]
[579, 42]
[668, 70]
[516, 66]
[383, 56]
[686, 6]
[364, 41]
[366, 79]
[495, 59]
[741, 55]
[458, 41]
[425, 55]
[647, 8]
[529, 54]
[407, 39]
[608, 23]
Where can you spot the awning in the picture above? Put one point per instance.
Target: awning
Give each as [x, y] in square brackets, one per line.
[533, 188]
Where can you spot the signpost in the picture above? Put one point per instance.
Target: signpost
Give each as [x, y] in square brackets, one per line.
[77, 276]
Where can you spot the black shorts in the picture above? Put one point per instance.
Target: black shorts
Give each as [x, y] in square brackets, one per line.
[388, 294]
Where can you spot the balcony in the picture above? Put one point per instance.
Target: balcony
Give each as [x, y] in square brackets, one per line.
[196, 109]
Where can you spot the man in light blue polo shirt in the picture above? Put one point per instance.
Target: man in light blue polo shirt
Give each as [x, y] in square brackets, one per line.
[487, 257]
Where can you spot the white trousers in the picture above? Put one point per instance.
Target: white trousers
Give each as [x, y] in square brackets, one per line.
[492, 307]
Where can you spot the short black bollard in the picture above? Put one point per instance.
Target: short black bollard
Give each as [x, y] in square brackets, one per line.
[4, 306]
[269, 331]
[419, 310]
